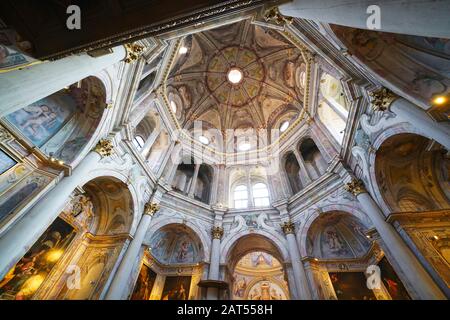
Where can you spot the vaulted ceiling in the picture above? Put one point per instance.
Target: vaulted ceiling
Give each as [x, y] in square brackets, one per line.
[271, 86]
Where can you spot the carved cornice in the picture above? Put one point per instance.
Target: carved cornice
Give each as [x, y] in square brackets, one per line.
[288, 227]
[382, 99]
[217, 232]
[134, 51]
[151, 208]
[104, 148]
[273, 15]
[355, 187]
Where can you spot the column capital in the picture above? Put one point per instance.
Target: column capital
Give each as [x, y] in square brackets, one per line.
[288, 227]
[151, 208]
[355, 187]
[104, 148]
[134, 51]
[382, 99]
[273, 15]
[217, 232]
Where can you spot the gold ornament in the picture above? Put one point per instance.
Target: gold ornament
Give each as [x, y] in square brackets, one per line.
[355, 187]
[273, 15]
[382, 99]
[134, 51]
[104, 148]
[217, 232]
[288, 227]
[151, 208]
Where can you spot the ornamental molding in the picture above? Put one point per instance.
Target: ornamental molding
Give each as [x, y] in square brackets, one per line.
[288, 227]
[382, 99]
[134, 51]
[151, 208]
[355, 187]
[104, 148]
[217, 232]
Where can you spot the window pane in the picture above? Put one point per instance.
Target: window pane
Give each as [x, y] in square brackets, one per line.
[138, 142]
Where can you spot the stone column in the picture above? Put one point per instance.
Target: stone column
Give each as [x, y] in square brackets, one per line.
[22, 87]
[150, 141]
[384, 100]
[23, 234]
[305, 177]
[301, 282]
[123, 274]
[405, 17]
[408, 263]
[214, 266]
[250, 200]
[194, 181]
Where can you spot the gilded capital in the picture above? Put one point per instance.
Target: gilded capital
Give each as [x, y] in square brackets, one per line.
[355, 187]
[151, 208]
[134, 51]
[288, 227]
[104, 148]
[382, 99]
[217, 232]
[273, 15]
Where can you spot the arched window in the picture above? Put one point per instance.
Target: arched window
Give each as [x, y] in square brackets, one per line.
[240, 197]
[260, 195]
[138, 142]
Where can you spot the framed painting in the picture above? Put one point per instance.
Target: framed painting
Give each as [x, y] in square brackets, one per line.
[27, 275]
[176, 288]
[392, 282]
[351, 286]
[6, 162]
[144, 284]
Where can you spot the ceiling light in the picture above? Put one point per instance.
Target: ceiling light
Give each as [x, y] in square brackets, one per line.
[173, 106]
[440, 100]
[234, 75]
[244, 146]
[203, 139]
[183, 50]
[284, 126]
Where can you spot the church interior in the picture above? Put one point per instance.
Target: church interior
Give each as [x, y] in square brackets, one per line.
[224, 150]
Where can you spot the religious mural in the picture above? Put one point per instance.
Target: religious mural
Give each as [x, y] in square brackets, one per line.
[6, 162]
[144, 284]
[41, 120]
[176, 288]
[175, 245]
[351, 286]
[337, 236]
[392, 282]
[27, 275]
[266, 290]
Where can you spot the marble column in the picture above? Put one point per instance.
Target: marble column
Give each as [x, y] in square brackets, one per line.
[150, 141]
[22, 87]
[301, 282]
[194, 181]
[405, 17]
[214, 266]
[407, 261]
[384, 99]
[305, 176]
[22, 235]
[250, 199]
[123, 274]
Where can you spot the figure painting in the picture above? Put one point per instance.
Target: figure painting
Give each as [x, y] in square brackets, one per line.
[144, 284]
[43, 119]
[6, 162]
[175, 245]
[27, 275]
[392, 282]
[176, 288]
[351, 286]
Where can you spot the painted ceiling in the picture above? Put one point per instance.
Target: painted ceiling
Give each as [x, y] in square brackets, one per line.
[271, 88]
